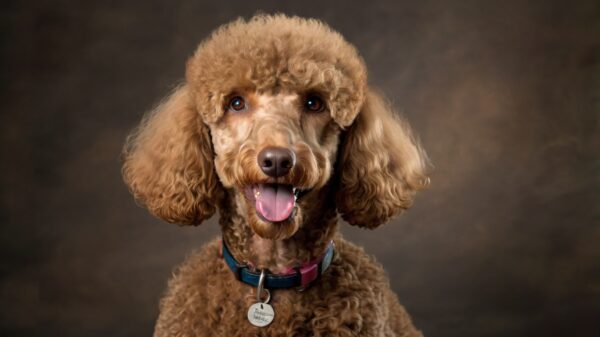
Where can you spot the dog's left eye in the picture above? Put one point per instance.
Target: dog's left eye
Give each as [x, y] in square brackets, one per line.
[314, 103]
[237, 103]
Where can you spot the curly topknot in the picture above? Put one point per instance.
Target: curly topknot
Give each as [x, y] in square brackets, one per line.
[273, 52]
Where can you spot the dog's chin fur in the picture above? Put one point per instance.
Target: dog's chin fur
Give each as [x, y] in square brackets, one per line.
[273, 230]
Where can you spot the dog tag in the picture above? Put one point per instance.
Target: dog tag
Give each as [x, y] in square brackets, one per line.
[261, 314]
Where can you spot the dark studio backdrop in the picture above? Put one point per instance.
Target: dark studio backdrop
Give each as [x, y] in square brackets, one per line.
[505, 97]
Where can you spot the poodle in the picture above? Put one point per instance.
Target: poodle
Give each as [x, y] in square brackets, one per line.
[276, 128]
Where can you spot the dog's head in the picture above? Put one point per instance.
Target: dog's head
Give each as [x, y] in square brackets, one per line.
[271, 108]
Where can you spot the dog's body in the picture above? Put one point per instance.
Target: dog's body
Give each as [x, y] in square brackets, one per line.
[352, 299]
[275, 127]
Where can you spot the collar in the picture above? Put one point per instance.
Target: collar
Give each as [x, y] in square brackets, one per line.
[300, 277]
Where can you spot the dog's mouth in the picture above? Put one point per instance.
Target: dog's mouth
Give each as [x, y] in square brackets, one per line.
[274, 202]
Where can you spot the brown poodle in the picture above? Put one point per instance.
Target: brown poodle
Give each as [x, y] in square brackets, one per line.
[276, 128]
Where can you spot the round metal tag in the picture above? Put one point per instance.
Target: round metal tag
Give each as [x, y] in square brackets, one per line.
[261, 314]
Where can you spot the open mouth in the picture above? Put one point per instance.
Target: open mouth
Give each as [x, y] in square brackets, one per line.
[273, 202]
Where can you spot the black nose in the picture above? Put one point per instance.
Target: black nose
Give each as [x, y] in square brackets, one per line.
[276, 161]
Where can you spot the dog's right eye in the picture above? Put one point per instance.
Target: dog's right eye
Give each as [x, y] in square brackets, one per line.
[237, 103]
[314, 103]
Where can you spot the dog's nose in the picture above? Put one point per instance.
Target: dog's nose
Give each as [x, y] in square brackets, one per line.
[276, 161]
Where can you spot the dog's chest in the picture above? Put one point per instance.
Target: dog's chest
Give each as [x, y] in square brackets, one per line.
[205, 298]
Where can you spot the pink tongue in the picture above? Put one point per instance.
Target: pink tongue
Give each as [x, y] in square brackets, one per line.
[274, 202]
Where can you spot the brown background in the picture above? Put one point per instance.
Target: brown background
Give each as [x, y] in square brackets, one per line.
[505, 97]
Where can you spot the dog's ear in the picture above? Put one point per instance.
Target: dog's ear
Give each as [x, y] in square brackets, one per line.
[168, 162]
[380, 166]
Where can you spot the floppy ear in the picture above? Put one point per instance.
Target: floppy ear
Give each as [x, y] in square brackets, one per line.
[381, 166]
[168, 162]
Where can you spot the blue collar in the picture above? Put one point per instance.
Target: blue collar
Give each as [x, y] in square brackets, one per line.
[300, 277]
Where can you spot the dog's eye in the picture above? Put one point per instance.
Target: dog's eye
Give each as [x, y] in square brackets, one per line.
[237, 103]
[314, 103]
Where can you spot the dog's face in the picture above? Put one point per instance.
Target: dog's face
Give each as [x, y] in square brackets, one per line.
[284, 93]
[275, 148]
[262, 113]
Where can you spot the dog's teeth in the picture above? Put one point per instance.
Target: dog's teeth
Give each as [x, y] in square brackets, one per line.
[256, 192]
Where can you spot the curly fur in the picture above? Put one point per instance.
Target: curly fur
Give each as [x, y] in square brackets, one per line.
[381, 163]
[192, 156]
[168, 163]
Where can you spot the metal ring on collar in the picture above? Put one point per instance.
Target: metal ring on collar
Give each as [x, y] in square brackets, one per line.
[261, 288]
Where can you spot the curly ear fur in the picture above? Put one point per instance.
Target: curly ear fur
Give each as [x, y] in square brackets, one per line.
[381, 166]
[168, 162]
